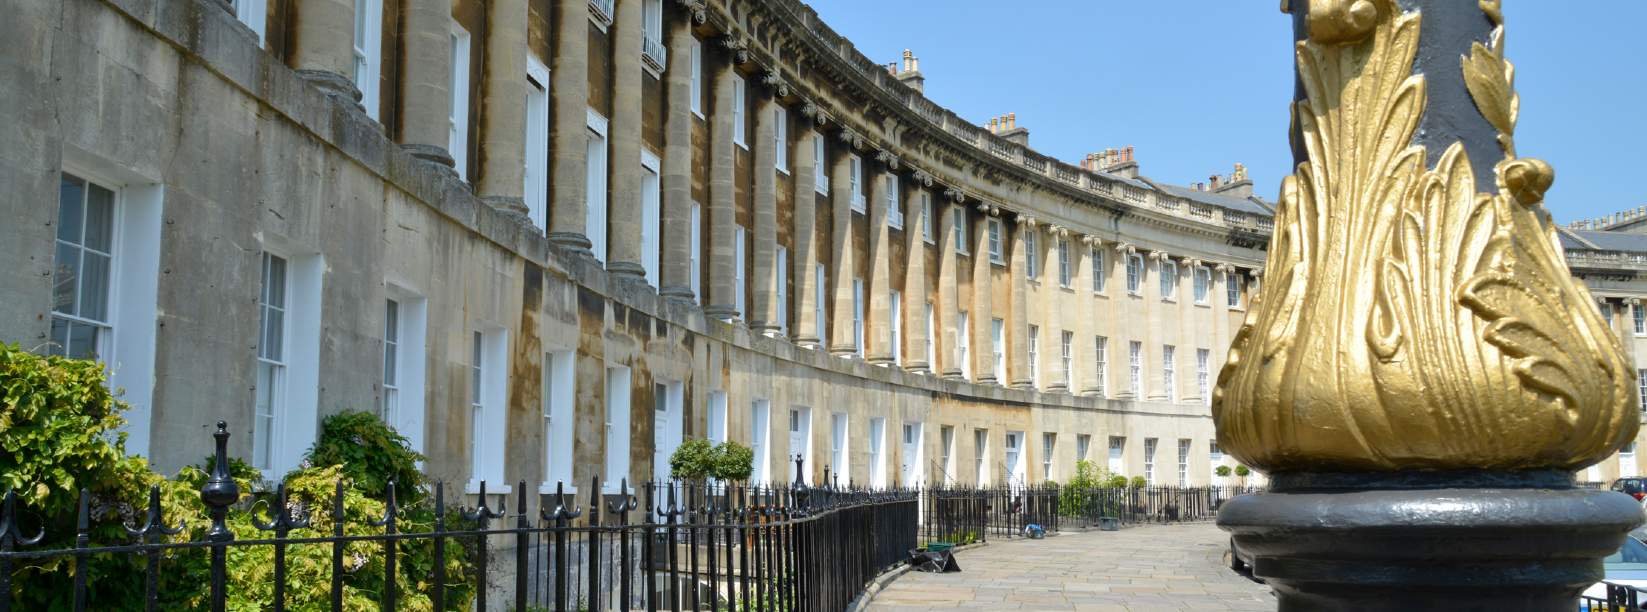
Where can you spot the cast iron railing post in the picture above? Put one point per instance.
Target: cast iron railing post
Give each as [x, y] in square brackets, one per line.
[390, 544]
[594, 544]
[562, 517]
[280, 522]
[154, 526]
[439, 597]
[621, 507]
[218, 493]
[482, 516]
[82, 541]
[523, 541]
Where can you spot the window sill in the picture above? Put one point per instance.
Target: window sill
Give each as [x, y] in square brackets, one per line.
[698, 112]
[930, 242]
[548, 488]
[473, 488]
[1170, 300]
[997, 263]
[1203, 305]
[741, 145]
[782, 170]
[1236, 308]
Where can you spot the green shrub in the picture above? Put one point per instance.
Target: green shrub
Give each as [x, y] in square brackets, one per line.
[1116, 481]
[371, 453]
[1242, 471]
[58, 424]
[1223, 471]
[1139, 482]
[733, 462]
[693, 460]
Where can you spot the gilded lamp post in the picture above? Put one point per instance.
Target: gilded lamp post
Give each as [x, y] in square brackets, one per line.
[1421, 376]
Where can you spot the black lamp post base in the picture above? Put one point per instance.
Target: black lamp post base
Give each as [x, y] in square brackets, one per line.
[1416, 541]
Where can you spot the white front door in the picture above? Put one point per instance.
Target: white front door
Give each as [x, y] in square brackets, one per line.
[1014, 444]
[800, 442]
[911, 458]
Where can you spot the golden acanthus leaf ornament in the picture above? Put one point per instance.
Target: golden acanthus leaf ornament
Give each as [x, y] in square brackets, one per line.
[1410, 321]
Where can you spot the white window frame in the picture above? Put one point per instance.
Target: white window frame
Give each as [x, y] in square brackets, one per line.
[858, 315]
[780, 138]
[995, 252]
[269, 409]
[1639, 314]
[1117, 459]
[253, 13]
[697, 77]
[652, 48]
[488, 408]
[536, 143]
[1083, 443]
[1035, 355]
[781, 270]
[998, 339]
[559, 424]
[615, 465]
[855, 174]
[1202, 283]
[1169, 371]
[1068, 358]
[820, 175]
[457, 118]
[389, 402]
[739, 127]
[1135, 364]
[961, 246]
[740, 282]
[1049, 441]
[877, 453]
[1063, 263]
[1641, 383]
[1203, 374]
[1101, 357]
[1150, 445]
[1135, 274]
[596, 197]
[1169, 279]
[839, 439]
[651, 220]
[895, 316]
[980, 451]
[367, 52]
[894, 205]
[1032, 255]
[715, 421]
[1215, 456]
[76, 316]
[963, 345]
[1183, 461]
[760, 441]
[694, 254]
[946, 452]
[128, 342]
[294, 420]
[407, 413]
[1099, 273]
[931, 332]
[927, 232]
[1232, 289]
[820, 290]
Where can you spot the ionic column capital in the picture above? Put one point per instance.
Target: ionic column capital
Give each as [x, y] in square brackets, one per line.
[955, 195]
[1092, 241]
[921, 177]
[1159, 255]
[851, 138]
[886, 157]
[739, 49]
[812, 111]
[1027, 221]
[1126, 249]
[774, 80]
[1058, 231]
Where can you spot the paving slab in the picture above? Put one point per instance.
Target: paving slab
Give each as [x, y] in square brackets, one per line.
[1149, 567]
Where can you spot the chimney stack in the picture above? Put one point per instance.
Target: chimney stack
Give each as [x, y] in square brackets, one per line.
[1006, 126]
[1115, 161]
[910, 72]
[1237, 185]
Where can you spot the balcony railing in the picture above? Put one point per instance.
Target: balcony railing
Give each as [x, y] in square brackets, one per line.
[602, 11]
[654, 53]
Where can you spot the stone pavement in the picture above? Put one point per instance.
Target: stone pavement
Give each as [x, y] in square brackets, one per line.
[1146, 568]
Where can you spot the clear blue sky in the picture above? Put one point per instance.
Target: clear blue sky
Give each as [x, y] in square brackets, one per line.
[1197, 85]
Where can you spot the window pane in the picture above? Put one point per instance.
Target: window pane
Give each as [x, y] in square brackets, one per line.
[99, 218]
[275, 283]
[82, 341]
[94, 286]
[390, 363]
[274, 329]
[70, 199]
[59, 337]
[65, 279]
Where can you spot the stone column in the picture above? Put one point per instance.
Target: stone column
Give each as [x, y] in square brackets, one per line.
[427, 70]
[623, 251]
[915, 292]
[1018, 320]
[722, 302]
[676, 182]
[948, 302]
[503, 115]
[569, 129]
[983, 297]
[1085, 317]
[763, 303]
[880, 272]
[324, 53]
[805, 253]
[840, 185]
[1052, 334]
[1155, 384]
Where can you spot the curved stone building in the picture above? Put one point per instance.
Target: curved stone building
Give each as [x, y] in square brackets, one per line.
[548, 240]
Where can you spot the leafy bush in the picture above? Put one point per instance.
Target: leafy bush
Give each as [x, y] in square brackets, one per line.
[58, 424]
[1242, 471]
[371, 453]
[1223, 471]
[1139, 482]
[693, 460]
[733, 462]
[1116, 481]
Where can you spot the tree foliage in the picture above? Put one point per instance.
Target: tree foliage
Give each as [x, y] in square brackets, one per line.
[733, 462]
[693, 460]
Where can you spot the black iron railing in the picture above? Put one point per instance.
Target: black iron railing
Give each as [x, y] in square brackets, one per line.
[665, 546]
[968, 515]
[1149, 504]
[1616, 598]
